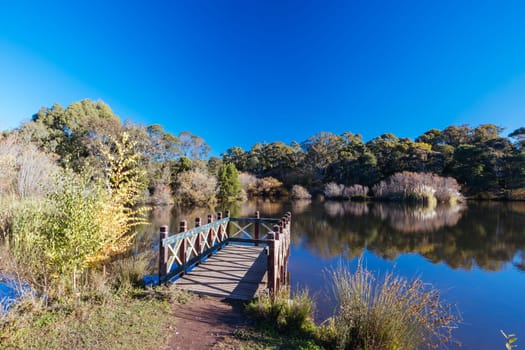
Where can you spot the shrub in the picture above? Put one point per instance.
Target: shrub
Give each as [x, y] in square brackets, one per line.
[195, 187]
[269, 186]
[52, 240]
[355, 191]
[248, 183]
[333, 190]
[299, 192]
[161, 195]
[266, 187]
[26, 171]
[390, 313]
[418, 187]
[79, 225]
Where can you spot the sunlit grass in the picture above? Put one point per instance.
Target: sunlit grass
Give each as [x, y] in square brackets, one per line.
[388, 313]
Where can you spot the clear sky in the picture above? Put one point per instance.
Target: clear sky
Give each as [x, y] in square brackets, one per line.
[246, 71]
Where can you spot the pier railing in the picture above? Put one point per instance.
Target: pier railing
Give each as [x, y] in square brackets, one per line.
[180, 252]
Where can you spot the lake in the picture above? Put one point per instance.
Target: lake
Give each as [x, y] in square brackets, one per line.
[474, 254]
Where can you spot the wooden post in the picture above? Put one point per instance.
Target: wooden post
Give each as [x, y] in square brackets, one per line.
[227, 225]
[163, 253]
[209, 237]
[183, 227]
[287, 246]
[271, 264]
[280, 246]
[256, 228]
[198, 241]
[219, 229]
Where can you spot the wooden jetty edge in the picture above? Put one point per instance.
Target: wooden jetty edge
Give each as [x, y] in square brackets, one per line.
[228, 257]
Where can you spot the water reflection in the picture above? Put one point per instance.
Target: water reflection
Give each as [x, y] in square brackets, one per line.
[299, 206]
[487, 235]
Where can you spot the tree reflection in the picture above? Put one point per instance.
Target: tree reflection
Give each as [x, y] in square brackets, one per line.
[299, 206]
[487, 235]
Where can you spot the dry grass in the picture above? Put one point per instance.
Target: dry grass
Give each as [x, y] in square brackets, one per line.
[126, 322]
[282, 312]
[388, 313]
[517, 194]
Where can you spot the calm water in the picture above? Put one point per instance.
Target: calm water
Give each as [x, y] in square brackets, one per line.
[474, 255]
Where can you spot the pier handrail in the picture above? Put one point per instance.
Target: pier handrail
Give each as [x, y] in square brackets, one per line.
[179, 252]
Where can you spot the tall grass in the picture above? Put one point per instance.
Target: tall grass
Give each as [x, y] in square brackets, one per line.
[282, 311]
[129, 272]
[391, 313]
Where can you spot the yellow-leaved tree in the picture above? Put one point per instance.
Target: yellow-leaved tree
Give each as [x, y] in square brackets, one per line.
[125, 180]
[80, 224]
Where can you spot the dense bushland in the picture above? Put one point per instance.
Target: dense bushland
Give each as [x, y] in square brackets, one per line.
[482, 161]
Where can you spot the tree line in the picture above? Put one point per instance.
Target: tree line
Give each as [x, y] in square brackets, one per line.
[178, 167]
[479, 158]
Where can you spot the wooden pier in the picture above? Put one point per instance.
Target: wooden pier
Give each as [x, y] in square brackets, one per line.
[235, 258]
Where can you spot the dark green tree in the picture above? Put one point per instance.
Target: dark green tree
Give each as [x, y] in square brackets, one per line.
[229, 186]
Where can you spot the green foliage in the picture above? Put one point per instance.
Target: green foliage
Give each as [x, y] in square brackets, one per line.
[74, 133]
[52, 240]
[193, 146]
[124, 172]
[479, 158]
[229, 188]
[79, 224]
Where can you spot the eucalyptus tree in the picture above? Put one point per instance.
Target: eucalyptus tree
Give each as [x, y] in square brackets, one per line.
[321, 151]
[76, 133]
[388, 150]
[193, 146]
[518, 163]
[519, 135]
[237, 156]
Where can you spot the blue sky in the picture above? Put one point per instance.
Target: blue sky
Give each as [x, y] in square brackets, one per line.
[246, 71]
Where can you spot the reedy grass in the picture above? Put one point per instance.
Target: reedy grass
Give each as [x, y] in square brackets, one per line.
[391, 313]
[283, 313]
[283, 322]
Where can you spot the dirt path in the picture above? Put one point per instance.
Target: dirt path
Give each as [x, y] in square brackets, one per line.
[204, 321]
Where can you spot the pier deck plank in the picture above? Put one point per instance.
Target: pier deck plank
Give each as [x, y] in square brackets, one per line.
[235, 272]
